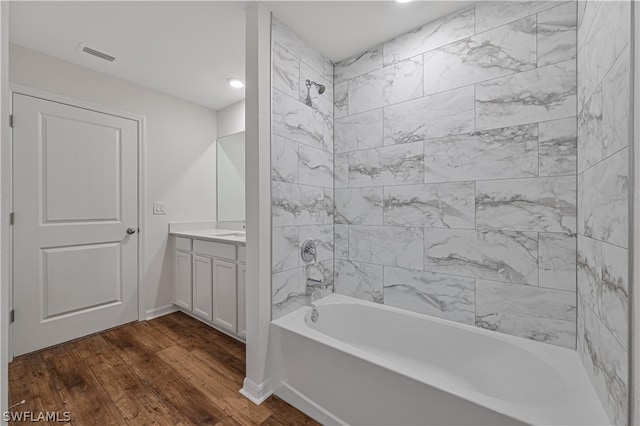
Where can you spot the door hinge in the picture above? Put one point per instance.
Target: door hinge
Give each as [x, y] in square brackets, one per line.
[11, 120]
[12, 316]
[12, 217]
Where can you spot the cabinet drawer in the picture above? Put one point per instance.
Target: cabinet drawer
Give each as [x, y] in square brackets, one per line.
[183, 244]
[225, 251]
[242, 254]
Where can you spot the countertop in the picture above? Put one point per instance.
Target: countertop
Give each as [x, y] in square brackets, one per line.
[213, 234]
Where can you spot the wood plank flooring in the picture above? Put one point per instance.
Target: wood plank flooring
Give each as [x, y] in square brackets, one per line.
[172, 370]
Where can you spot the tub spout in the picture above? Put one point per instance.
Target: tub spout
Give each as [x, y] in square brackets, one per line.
[313, 287]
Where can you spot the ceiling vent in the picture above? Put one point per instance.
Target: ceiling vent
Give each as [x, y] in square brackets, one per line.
[97, 53]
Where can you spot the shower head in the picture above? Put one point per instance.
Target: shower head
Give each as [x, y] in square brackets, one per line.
[318, 86]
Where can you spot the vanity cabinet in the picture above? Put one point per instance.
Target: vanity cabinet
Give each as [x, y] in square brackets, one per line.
[210, 283]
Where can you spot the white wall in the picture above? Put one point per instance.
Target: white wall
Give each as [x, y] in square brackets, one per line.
[231, 119]
[180, 151]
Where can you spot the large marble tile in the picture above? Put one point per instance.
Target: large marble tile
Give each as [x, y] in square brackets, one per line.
[329, 206]
[389, 85]
[589, 271]
[441, 114]
[285, 248]
[443, 296]
[390, 165]
[557, 34]
[502, 51]
[604, 41]
[341, 99]
[535, 204]
[323, 236]
[606, 363]
[322, 102]
[362, 63]
[328, 70]
[439, 205]
[614, 297]
[587, 12]
[297, 205]
[429, 36]
[386, 245]
[558, 144]
[288, 292]
[315, 167]
[507, 256]
[292, 119]
[284, 36]
[322, 271]
[341, 241]
[286, 71]
[359, 280]
[360, 206]
[540, 94]
[360, 131]
[491, 14]
[603, 200]
[557, 260]
[511, 152]
[545, 315]
[284, 159]
[616, 89]
[590, 132]
[341, 170]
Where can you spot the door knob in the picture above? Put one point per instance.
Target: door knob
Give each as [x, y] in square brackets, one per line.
[131, 230]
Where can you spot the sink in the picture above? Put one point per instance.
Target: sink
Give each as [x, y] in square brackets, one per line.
[229, 234]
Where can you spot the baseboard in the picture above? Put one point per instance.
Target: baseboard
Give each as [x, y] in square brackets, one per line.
[304, 404]
[160, 311]
[256, 393]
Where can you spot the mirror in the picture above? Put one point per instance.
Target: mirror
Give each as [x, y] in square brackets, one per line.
[230, 177]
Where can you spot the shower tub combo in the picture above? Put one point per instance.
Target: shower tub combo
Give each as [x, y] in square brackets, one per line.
[363, 363]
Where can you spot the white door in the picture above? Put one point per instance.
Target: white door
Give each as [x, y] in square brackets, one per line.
[76, 221]
[225, 295]
[202, 286]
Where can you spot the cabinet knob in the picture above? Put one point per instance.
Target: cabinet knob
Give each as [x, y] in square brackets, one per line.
[131, 230]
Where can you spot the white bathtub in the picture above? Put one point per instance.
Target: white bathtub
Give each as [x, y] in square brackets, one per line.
[367, 364]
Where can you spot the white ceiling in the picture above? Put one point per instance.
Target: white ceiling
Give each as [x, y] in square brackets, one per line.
[340, 29]
[189, 49]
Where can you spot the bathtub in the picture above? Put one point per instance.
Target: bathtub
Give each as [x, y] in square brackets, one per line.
[363, 363]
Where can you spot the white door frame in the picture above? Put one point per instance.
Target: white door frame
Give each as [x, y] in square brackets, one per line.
[142, 195]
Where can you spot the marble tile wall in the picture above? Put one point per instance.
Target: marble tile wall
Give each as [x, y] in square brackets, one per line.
[302, 168]
[603, 199]
[455, 171]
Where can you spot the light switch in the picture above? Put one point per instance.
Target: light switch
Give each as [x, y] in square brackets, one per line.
[160, 208]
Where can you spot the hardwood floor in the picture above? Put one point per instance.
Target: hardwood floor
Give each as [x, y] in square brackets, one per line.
[172, 370]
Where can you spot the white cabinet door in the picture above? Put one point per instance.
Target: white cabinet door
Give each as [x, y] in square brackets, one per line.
[202, 286]
[225, 295]
[183, 280]
[242, 319]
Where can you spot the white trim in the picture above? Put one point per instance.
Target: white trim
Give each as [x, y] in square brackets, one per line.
[256, 393]
[634, 223]
[160, 311]
[5, 197]
[142, 193]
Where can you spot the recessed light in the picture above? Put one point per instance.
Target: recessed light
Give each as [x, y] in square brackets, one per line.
[236, 83]
[403, 1]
